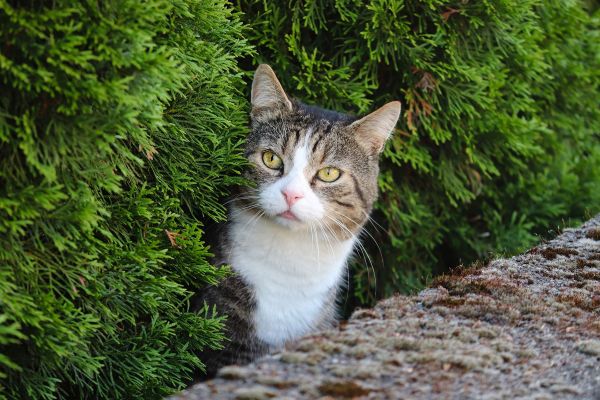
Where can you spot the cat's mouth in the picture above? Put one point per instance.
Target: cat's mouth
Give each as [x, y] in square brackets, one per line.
[288, 215]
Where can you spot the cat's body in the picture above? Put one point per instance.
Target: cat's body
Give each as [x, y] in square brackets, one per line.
[269, 303]
[289, 239]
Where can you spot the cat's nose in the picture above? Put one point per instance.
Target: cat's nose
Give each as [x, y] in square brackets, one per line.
[291, 196]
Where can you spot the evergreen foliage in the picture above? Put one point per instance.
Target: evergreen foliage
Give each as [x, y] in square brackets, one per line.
[498, 138]
[120, 131]
[120, 126]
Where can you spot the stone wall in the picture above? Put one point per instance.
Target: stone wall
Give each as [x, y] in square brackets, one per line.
[523, 327]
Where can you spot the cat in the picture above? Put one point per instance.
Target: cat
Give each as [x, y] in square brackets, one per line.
[289, 237]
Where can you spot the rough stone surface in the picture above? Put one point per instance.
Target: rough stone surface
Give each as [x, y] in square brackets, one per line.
[527, 327]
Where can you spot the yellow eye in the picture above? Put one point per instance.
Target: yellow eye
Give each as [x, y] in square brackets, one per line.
[328, 174]
[272, 160]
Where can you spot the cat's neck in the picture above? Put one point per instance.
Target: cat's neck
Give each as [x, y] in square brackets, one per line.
[292, 273]
[306, 252]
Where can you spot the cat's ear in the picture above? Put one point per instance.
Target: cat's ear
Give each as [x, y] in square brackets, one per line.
[268, 97]
[372, 131]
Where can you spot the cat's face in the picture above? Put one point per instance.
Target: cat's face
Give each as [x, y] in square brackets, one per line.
[313, 169]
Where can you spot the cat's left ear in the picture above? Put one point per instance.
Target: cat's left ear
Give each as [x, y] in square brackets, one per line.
[268, 97]
[373, 130]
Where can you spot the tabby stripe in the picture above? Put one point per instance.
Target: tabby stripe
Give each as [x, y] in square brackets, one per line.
[285, 141]
[341, 203]
[316, 143]
[321, 135]
[360, 192]
[297, 138]
[325, 152]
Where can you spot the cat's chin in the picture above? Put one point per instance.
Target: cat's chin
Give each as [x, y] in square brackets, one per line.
[288, 215]
[288, 222]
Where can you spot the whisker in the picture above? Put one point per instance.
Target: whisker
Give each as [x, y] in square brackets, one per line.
[250, 192]
[254, 219]
[314, 239]
[245, 208]
[365, 230]
[318, 250]
[326, 228]
[245, 197]
[325, 235]
[376, 224]
[363, 251]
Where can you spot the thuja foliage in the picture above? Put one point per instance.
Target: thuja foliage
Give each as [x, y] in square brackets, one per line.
[120, 127]
[498, 140]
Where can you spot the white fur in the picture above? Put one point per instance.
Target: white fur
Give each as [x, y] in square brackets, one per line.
[290, 264]
[291, 273]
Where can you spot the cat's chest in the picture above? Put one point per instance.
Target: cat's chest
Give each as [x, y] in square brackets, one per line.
[291, 274]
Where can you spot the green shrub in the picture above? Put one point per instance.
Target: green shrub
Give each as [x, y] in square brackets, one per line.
[120, 127]
[498, 141]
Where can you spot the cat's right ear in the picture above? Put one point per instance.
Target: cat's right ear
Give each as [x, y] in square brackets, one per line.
[373, 130]
[268, 97]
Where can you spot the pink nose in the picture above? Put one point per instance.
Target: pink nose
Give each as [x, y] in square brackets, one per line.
[291, 196]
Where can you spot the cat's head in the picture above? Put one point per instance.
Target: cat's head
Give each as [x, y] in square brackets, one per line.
[313, 168]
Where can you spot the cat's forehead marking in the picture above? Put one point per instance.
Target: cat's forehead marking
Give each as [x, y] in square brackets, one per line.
[307, 136]
[301, 154]
[323, 132]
